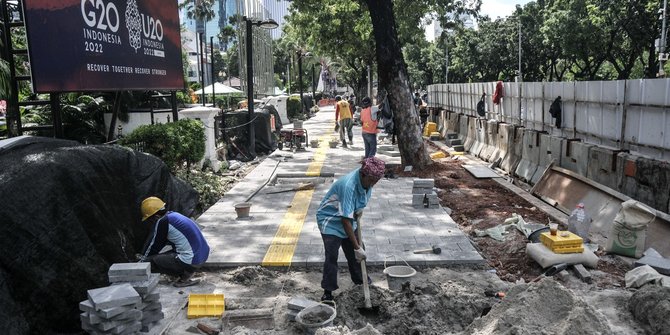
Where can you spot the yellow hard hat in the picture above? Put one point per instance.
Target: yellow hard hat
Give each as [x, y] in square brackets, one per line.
[151, 206]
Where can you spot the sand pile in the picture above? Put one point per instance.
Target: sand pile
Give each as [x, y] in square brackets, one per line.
[545, 307]
[367, 330]
[651, 306]
[252, 274]
[426, 308]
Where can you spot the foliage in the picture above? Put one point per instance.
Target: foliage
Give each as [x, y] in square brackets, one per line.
[293, 110]
[209, 186]
[175, 143]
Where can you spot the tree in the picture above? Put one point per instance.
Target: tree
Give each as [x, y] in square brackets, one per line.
[392, 73]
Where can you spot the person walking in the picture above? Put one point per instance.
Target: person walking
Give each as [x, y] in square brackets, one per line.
[344, 118]
[369, 119]
[337, 218]
[189, 247]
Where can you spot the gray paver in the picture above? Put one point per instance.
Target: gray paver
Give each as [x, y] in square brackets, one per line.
[87, 306]
[660, 264]
[113, 296]
[300, 303]
[144, 286]
[142, 269]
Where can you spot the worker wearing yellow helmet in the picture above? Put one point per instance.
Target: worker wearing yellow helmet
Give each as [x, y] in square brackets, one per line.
[189, 247]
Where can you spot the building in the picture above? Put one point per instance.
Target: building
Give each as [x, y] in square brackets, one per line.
[263, 69]
[278, 10]
[223, 11]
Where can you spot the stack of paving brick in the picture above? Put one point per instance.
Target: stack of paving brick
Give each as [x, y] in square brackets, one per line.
[129, 305]
[111, 310]
[139, 276]
[423, 194]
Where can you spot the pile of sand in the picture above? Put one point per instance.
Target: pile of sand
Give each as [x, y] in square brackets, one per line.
[545, 307]
[252, 275]
[651, 306]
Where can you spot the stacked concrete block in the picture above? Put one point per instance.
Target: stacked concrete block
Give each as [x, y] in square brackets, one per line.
[424, 195]
[111, 310]
[145, 283]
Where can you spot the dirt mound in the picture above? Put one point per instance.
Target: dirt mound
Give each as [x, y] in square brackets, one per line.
[252, 274]
[651, 307]
[542, 308]
[427, 308]
[367, 330]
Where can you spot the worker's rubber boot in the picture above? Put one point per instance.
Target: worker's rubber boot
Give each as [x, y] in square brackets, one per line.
[344, 144]
[185, 280]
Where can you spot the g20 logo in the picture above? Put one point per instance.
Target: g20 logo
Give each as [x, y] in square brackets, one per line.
[99, 15]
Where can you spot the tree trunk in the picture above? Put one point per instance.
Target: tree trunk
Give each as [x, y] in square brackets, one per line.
[392, 73]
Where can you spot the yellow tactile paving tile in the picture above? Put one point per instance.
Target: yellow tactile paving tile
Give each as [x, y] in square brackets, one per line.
[280, 252]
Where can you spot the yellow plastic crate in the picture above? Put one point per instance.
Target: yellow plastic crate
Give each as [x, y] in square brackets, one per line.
[203, 305]
[562, 244]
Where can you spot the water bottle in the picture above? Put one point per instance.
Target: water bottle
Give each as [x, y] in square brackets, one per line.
[579, 222]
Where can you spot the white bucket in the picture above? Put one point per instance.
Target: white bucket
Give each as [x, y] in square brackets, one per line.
[324, 313]
[398, 275]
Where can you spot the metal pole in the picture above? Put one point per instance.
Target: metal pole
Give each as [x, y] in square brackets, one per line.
[369, 83]
[302, 106]
[288, 76]
[250, 87]
[446, 66]
[520, 77]
[661, 55]
[211, 65]
[202, 69]
[313, 85]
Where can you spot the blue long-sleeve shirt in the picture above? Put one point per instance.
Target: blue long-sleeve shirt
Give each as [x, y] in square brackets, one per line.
[183, 234]
[345, 197]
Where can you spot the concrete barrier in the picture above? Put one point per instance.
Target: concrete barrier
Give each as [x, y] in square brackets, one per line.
[462, 129]
[491, 138]
[480, 137]
[530, 155]
[452, 122]
[471, 135]
[575, 156]
[514, 148]
[550, 150]
[442, 123]
[503, 140]
[604, 167]
[646, 180]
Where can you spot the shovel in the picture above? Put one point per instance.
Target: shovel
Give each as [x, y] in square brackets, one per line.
[364, 272]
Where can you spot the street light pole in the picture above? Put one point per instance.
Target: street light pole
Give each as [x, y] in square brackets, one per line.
[202, 69]
[300, 55]
[662, 56]
[265, 24]
[313, 85]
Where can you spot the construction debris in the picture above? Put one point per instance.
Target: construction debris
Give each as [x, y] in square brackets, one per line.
[655, 260]
[258, 318]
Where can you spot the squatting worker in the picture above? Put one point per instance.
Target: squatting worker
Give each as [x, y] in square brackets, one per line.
[336, 220]
[189, 248]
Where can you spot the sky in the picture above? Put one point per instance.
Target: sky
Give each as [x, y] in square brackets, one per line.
[502, 8]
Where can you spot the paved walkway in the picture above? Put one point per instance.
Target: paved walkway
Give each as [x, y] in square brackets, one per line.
[282, 228]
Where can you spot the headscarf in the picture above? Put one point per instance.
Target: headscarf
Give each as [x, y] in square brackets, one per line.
[373, 167]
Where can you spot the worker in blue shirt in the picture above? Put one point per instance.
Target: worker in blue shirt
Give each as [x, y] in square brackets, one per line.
[189, 248]
[337, 220]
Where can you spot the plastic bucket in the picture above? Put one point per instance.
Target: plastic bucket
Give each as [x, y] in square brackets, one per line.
[315, 317]
[314, 143]
[333, 144]
[242, 209]
[398, 275]
[297, 124]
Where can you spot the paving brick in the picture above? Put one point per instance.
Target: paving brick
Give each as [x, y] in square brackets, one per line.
[152, 317]
[300, 303]
[422, 190]
[145, 286]
[113, 296]
[150, 306]
[582, 273]
[95, 318]
[662, 265]
[152, 296]
[652, 252]
[126, 279]
[428, 183]
[87, 306]
[142, 270]
[291, 314]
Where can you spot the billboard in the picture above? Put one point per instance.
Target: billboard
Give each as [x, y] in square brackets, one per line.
[103, 45]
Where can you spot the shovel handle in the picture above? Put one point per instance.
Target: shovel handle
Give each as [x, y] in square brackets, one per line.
[364, 271]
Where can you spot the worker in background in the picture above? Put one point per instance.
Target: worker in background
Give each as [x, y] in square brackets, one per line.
[337, 219]
[369, 120]
[189, 248]
[345, 120]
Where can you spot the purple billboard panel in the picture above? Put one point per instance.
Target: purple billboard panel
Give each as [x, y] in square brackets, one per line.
[103, 45]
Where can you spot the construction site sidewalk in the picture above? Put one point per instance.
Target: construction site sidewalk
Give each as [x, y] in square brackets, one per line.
[282, 230]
